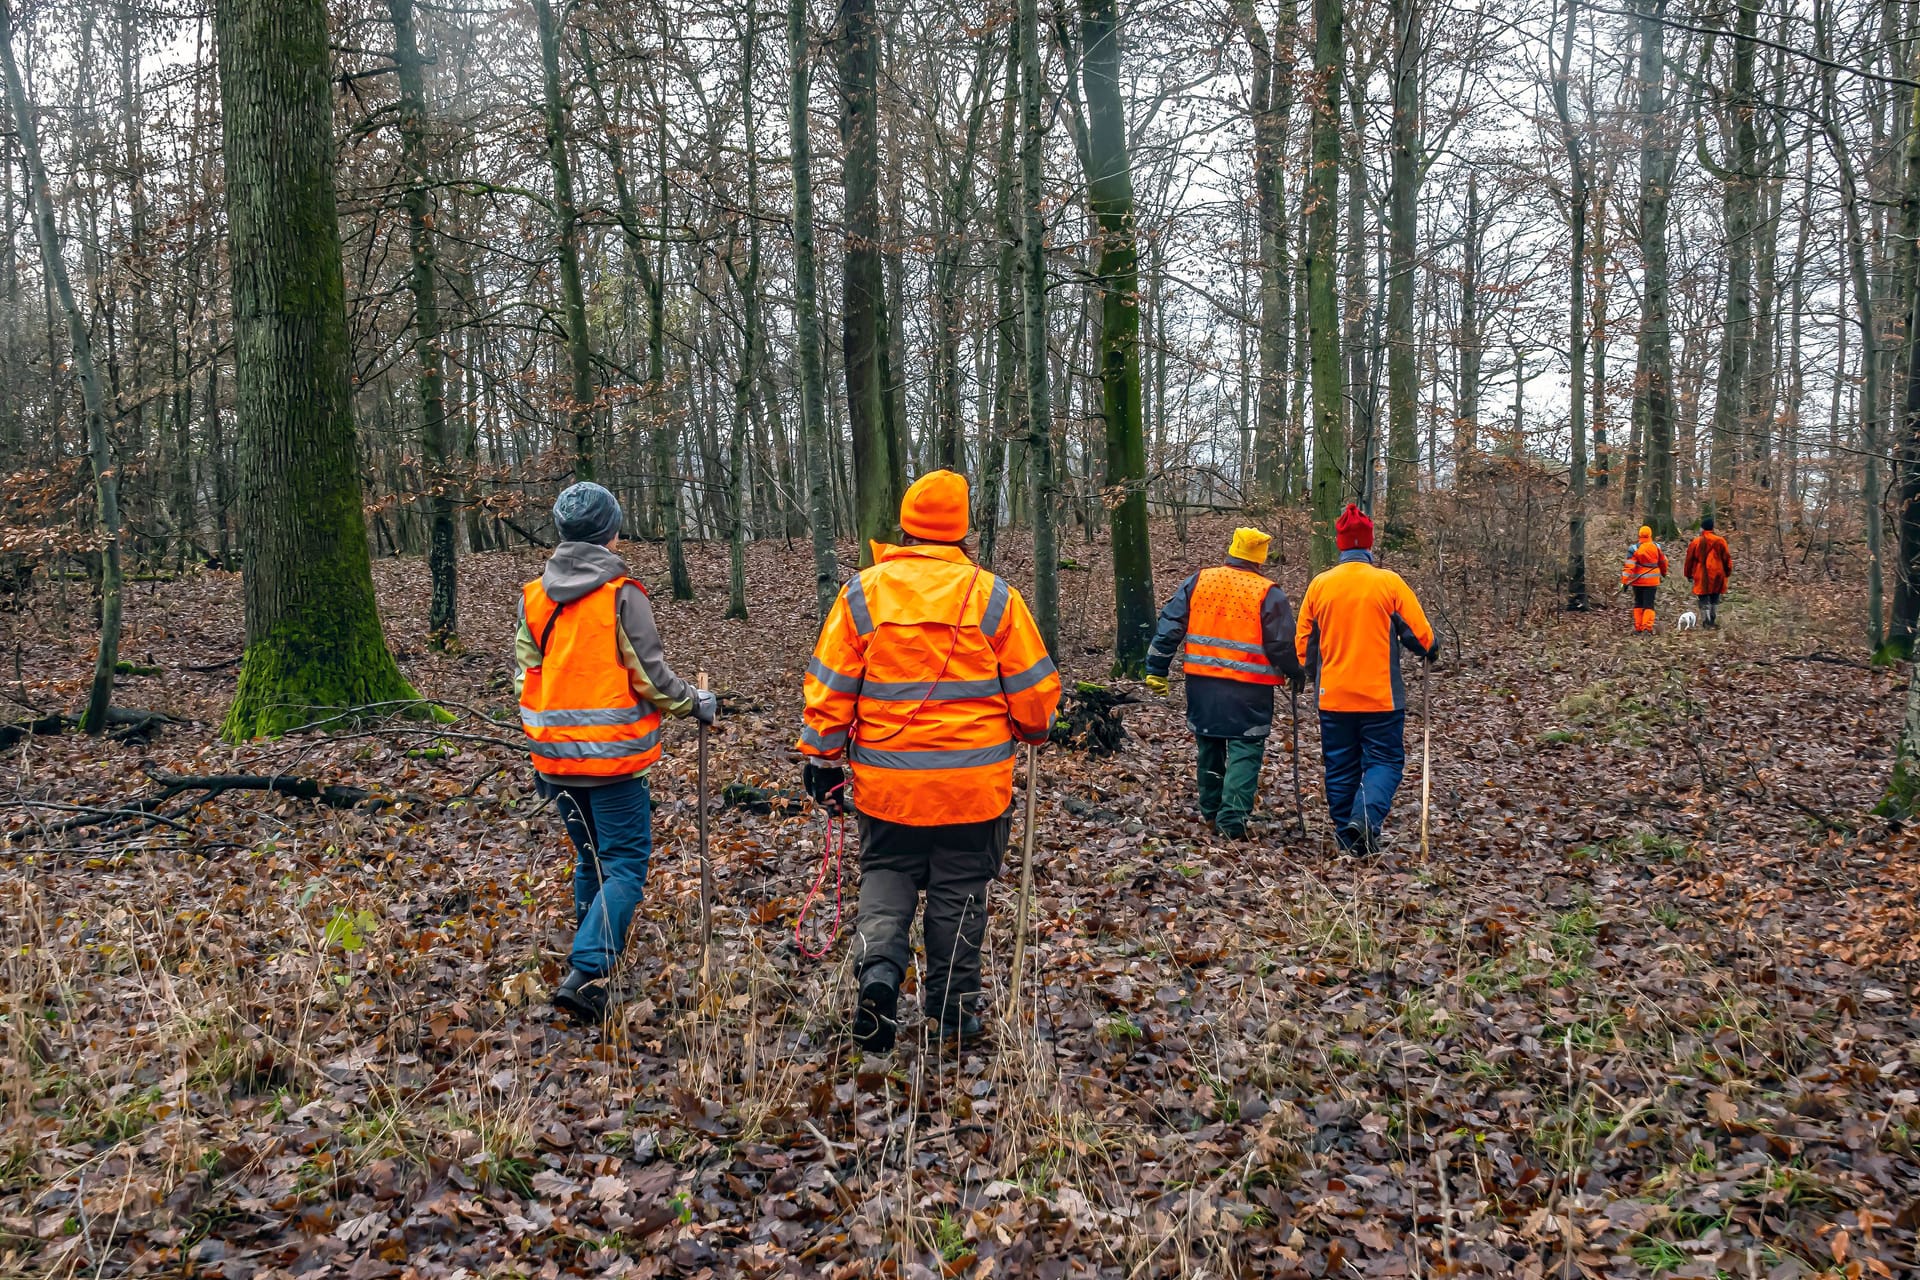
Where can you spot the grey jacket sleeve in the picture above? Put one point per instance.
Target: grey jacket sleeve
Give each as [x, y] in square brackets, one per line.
[641, 654]
[1277, 633]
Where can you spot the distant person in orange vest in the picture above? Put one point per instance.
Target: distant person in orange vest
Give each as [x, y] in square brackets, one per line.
[1354, 621]
[1234, 627]
[1709, 563]
[593, 683]
[927, 673]
[1642, 574]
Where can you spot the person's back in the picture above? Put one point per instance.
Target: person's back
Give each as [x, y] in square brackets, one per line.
[1646, 565]
[1709, 564]
[1354, 620]
[593, 684]
[927, 671]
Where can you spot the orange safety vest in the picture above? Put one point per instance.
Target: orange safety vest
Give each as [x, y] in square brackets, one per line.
[1223, 627]
[927, 670]
[1644, 567]
[578, 705]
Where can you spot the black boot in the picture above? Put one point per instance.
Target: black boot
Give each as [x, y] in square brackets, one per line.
[582, 997]
[964, 1029]
[875, 1019]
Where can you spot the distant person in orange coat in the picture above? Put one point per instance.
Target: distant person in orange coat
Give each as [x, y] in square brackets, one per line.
[1641, 575]
[1709, 563]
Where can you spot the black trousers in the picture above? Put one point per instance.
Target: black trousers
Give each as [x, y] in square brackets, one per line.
[952, 866]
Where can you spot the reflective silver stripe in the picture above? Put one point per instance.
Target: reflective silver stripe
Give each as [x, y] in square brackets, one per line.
[1201, 660]
[960, 759]
[838, 682]
[857, 606]
[596, 750]
[1238, 646]
[1022, 681]
[996, 606]
[915, 690]
[822, 742]
[582, 719]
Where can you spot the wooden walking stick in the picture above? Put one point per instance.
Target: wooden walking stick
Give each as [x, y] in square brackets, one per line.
[1026, 880]
[706, 868]
[1426, 753]
[1299, 805]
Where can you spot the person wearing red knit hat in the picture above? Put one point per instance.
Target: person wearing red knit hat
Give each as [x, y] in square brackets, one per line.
[1354, 621]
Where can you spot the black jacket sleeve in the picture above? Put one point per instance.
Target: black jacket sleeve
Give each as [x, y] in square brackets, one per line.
[1276, 632]
[1172, 630]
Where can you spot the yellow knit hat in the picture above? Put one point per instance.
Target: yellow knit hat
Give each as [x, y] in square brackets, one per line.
[1251, 545]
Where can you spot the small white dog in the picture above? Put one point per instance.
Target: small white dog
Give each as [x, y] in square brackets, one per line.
[1687, 621]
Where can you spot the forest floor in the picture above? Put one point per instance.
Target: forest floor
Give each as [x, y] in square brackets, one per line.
[1648, 1008]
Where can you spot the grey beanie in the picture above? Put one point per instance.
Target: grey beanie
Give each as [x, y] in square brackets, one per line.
[586, 512]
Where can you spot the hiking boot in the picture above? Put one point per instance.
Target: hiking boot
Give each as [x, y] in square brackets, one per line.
[965, 1030]
[1231, 831]
[1352, 838]
[582, 997]
[874, 1019]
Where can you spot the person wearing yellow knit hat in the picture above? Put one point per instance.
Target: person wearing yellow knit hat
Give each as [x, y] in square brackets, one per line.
[929, 669]
[1234, 628]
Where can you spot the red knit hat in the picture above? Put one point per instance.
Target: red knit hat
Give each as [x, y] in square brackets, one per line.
[1353, 531]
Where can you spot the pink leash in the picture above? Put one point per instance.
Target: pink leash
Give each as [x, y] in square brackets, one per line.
[830, 859]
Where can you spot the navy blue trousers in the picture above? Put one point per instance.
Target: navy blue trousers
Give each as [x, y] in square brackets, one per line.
[1365, 754]
[611, 827]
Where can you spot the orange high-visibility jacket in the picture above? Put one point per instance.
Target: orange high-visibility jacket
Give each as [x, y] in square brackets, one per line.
[927, 671]
[1709, 563]
[1645, 567]
[1224, 632]
[1354, 621]
[578, 703]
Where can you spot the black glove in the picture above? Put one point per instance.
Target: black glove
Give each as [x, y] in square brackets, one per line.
[826, 784]
[1297, 682]
[1432, 655]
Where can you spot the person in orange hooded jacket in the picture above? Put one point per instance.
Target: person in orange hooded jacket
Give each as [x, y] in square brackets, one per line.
[1641, 575]
[1354, 621]
[928, 671]
[1709, 564]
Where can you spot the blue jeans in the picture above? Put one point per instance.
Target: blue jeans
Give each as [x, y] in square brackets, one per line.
[611, 828]
[1365, 754]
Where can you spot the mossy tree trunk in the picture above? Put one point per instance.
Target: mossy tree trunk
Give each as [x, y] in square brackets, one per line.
[1117, 279]
[314, 644]
[1323, 312]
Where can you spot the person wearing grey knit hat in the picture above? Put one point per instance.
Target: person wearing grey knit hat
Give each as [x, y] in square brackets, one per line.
[594, 684]
[586, 512]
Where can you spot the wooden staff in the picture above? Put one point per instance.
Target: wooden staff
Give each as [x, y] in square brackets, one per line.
[706, 868]
[1026, 880]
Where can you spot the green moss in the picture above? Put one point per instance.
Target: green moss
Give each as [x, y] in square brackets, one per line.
[1903, 793]
[293, 675]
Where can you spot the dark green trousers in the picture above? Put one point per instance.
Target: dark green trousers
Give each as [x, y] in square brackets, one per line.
[1229, 778]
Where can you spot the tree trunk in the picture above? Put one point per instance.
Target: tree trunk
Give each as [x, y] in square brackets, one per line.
[1655, 373]
[314, 644]
[573, 301]
[1576, 319]
[1117, 279]
[1740, 182]
[1869, 339]
[806, 317]
[878, 461]
[1323, 311]
[443, 612]
[747, 282]
[1033, 289]
[106, 482]
[1466, 413]
[1403, 446]
[1271, 106]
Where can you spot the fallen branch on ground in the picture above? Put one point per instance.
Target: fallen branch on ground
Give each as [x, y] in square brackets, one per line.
[131, 722]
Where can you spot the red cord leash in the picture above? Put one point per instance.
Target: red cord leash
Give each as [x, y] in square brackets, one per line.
[830, 858]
